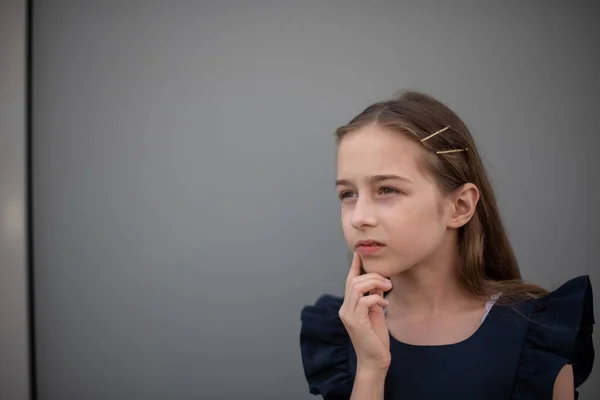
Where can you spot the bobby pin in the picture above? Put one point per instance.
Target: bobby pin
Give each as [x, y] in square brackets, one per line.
[442, 151]
[450, 151]
[436, 133]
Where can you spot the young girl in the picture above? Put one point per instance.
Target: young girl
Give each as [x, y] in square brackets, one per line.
[435, 307]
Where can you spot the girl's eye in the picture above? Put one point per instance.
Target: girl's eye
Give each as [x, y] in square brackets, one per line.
[346, 194]
[388, 190]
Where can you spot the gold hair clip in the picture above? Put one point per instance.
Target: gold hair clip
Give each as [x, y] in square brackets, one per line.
[442, 151]
[436, 133]
[450, 151]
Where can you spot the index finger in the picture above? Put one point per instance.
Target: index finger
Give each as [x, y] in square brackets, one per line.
[354, 270]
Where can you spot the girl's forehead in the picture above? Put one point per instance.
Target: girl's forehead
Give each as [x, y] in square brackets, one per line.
[373, 150]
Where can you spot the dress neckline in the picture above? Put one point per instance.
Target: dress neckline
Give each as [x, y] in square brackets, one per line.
[485, 321]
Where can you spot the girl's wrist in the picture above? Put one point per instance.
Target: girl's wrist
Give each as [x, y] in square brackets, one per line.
[371, 374]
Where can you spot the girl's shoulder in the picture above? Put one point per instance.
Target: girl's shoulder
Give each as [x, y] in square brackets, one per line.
[558, 332]
[326, 349]
[553, 331]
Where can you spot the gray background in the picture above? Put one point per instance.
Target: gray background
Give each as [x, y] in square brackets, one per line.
[184, 164]
[14, 340]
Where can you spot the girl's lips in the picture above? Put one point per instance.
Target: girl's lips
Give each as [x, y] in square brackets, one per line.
[368, 242]
[368, 248]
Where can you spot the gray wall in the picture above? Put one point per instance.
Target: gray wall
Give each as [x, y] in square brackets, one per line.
[184, 167]
[14, 340]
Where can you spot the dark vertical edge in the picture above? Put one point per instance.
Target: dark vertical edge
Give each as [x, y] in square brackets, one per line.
[29, 194]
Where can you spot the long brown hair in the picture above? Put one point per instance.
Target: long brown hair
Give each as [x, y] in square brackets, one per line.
[487, 263]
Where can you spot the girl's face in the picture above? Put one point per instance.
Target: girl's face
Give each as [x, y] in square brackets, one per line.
[393, 214]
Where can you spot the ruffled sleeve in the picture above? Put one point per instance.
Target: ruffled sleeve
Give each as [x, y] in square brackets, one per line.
[559, 332]
[326, 350]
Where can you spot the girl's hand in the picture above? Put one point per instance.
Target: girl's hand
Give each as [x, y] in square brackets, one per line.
[364, 318]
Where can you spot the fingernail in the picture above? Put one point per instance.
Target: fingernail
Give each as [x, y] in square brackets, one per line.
[388, 282]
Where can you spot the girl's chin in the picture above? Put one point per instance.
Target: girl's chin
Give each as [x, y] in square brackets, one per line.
[384, 268]
[379, 267]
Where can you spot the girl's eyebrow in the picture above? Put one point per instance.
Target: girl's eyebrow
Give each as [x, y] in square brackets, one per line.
[375, 178]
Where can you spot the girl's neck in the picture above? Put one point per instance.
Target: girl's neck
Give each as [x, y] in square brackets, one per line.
[426, 290]
[431, 287]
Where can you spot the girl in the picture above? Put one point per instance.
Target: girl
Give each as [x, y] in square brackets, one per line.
[435, 307]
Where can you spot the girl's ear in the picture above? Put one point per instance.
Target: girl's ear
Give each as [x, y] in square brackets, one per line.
[464, 204]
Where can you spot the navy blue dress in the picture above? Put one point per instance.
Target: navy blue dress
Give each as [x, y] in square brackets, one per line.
[516, 353]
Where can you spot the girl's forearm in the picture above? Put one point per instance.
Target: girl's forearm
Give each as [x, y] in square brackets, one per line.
[368, 385]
